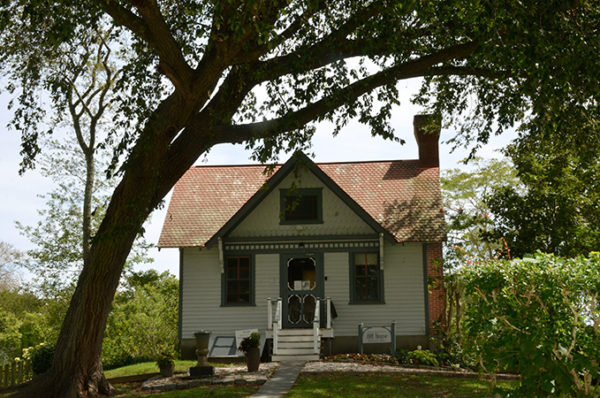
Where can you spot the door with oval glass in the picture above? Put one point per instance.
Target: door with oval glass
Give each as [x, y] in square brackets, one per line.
[301, 285]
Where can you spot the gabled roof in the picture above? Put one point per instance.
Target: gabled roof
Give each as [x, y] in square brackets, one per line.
[400, 198]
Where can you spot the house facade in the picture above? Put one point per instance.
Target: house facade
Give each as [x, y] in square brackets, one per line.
[311, 251]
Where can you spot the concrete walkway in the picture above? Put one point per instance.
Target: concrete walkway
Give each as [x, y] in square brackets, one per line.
[282, 381]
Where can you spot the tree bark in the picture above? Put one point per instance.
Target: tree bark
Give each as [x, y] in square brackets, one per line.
[86, 222]
[77, 368]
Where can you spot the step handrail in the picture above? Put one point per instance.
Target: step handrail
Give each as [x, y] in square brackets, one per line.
[316, 324]
[276, 325]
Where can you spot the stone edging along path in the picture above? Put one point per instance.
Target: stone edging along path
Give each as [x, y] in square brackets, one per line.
[360, 367]
[239, 375]
[227, 375]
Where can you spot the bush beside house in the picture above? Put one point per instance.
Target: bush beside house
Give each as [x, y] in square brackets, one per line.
[539, 317]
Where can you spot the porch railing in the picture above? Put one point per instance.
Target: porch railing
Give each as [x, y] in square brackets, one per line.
[275, 321]
[316, 324]
[275, 313]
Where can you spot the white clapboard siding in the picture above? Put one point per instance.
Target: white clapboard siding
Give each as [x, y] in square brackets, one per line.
[404, 292]
[202, 294]
[338, 218]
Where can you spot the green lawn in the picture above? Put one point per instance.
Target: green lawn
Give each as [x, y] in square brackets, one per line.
[329, 385]
[151, 367]
[129, 391]
[391, 385]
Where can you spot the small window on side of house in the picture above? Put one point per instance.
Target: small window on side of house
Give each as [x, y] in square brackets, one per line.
[366, 279]
[301, 206]
[238, 281]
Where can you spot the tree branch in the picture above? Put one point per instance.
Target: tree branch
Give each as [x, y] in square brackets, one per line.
[293, 120]
[151, 27]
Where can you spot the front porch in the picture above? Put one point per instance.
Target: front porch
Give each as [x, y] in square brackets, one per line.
[298, 343]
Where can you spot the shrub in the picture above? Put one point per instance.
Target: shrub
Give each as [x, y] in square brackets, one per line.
[450, 352]
[417, 357]
[252, 341]
[143, 321]
[539, 317]
[165, 359]
[423, 357]
[41, 357]
[369, 358]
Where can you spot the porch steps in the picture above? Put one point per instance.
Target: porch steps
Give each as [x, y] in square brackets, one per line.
[295, 345]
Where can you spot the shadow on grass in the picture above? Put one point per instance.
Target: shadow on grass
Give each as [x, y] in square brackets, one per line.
[384, 385]
[132, 390]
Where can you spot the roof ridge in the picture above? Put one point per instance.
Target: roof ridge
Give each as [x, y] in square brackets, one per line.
[318, 163]
[369, 161]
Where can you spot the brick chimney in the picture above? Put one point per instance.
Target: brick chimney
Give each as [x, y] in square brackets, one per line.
[427, 132]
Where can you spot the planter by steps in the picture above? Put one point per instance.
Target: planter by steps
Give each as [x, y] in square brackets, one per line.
[250, 347]
[253, 359]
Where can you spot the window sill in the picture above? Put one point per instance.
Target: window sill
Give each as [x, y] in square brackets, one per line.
[366, 302]
[239, 305]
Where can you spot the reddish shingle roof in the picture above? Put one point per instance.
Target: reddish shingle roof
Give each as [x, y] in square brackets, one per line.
[404, 198]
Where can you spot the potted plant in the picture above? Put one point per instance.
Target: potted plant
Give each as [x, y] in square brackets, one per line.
[166, 364]
[249, 346]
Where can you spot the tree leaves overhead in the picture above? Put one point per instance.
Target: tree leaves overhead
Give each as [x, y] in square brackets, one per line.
[557, 210]
[536, 60]
[200, 73]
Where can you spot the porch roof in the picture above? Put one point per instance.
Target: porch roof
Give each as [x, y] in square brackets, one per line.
[402, 196]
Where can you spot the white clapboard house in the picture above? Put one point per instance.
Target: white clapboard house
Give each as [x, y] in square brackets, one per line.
[358, 241]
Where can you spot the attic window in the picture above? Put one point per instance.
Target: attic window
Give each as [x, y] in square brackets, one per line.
[301, 206]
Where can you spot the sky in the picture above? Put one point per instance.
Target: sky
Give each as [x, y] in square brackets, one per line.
[19, 195]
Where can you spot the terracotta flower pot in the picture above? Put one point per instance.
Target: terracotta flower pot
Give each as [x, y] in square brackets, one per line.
[253, 359]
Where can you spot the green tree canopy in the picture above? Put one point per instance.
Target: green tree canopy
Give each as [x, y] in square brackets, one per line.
[198, 73]
[557, 208]
[468, 215]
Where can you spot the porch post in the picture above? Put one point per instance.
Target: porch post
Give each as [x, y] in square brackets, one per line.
[316, 321]
[328, 325]
[269, 313]
[360, 333]
[394, 338]
[279, 313]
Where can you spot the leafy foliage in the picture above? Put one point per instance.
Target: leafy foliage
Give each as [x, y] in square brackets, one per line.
[539, 317]
[41, 357]
[417, 357]
[198, 73]
[252, 341]
[23, 322]
[57, 257]
[468, 215]
[10, 337]
[557, 207]
[143, 322]
[165, 360]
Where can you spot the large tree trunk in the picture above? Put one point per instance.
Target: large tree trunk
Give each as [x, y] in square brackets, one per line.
[77, 368]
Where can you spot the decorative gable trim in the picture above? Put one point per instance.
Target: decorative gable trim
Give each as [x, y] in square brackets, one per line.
[298, 159]
[296, 246]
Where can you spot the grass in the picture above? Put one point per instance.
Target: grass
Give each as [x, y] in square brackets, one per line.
[389, 385]
[128, 390]
[131, 390]
[151, 367]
